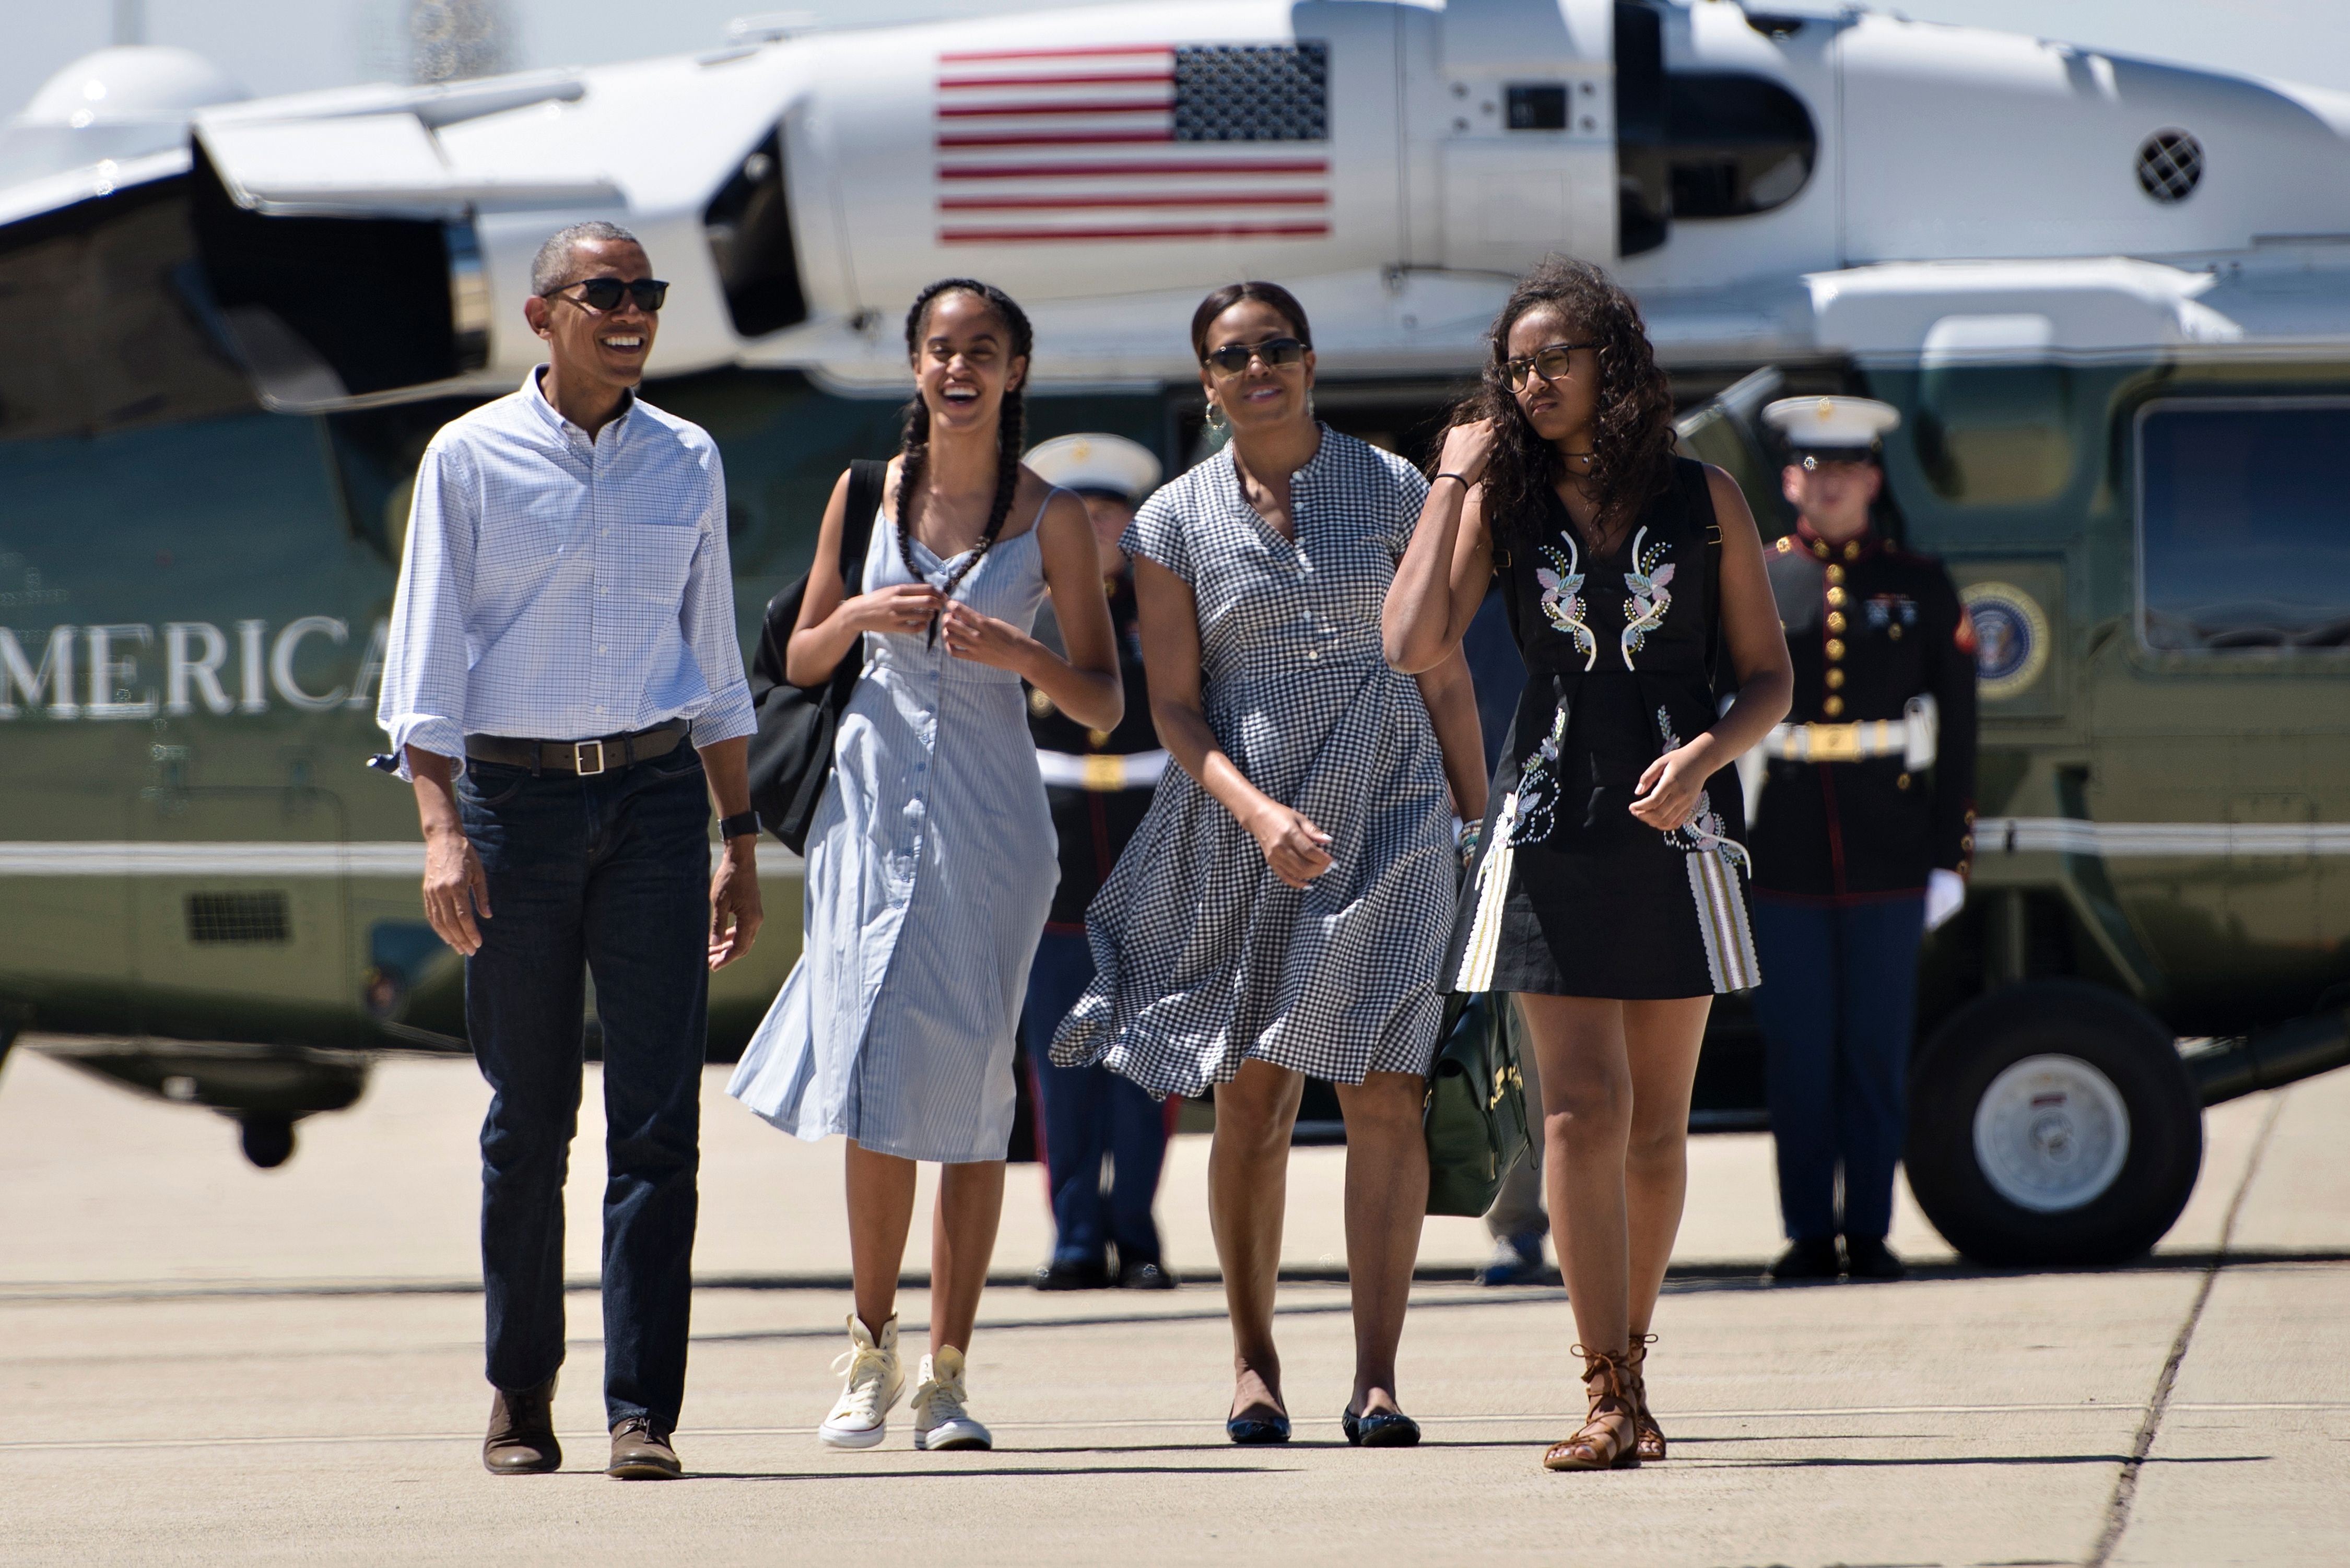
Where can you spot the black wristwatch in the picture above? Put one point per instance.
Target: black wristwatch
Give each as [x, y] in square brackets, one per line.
[738, 825]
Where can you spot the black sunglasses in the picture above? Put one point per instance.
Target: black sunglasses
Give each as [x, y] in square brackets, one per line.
[1278, 353]
[1550, 363]
[603, 293]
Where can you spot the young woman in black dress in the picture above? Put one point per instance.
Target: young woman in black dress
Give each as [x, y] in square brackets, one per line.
[1608, 890]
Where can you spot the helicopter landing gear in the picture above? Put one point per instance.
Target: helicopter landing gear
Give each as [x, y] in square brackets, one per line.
[268, 1140]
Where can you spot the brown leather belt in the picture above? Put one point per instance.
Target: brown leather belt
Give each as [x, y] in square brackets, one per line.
[585, 758]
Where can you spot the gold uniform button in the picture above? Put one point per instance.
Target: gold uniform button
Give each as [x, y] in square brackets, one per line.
[1836, 679]
[1831, 707]
[1852, 551]
[1039, 704]
[1098, 737]
[1901, 781]
[1835, 622]
[1836, 598]
[1835, 574]
[1836, 647]
[1894, 632]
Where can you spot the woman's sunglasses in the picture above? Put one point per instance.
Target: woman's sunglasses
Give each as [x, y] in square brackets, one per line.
[1550, 363]
[603, 293]
[1278, 353]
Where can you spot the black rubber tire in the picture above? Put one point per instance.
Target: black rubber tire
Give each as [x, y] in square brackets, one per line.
[267, 1141]
[2053, 1017]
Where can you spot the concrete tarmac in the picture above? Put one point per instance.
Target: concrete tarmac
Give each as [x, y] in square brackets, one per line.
[208, 1362]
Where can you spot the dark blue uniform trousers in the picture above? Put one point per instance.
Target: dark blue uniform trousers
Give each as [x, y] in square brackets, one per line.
[609, 875]
[1837, 1006]
[1088, 1112]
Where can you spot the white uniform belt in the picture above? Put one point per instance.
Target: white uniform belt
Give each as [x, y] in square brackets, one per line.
[1912, 737]
[1106, 771]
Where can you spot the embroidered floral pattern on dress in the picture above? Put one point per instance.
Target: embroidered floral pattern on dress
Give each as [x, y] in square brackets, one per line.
[1562, 602]
[1705, 830]
[1649, 580]
[1534, 803]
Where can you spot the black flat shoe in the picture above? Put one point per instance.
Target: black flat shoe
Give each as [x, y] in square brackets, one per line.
[1868, 1258]
[1806, 1261]
[1072, 1274]
[1251, 1430]
[1140, 1276]
[1380, 1429]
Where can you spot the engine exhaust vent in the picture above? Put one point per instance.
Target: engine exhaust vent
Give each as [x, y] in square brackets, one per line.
[749, 224]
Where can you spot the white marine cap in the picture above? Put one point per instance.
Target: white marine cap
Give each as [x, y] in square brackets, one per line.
[1838, 428]
[1110, 464]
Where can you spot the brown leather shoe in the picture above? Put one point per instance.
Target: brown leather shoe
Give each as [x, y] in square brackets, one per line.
[521, 1441]
[641, 1451]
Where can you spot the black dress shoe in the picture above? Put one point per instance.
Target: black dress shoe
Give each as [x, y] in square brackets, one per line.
[1145, 1276]
[1868, 1258]
[521, 1438]
[1251, 1430]
[1074, 1274]
[1379, 1430]
[1814, 1260]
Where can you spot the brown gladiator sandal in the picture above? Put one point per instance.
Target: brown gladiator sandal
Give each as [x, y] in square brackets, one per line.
[1649, 1437]
[1605, 1440]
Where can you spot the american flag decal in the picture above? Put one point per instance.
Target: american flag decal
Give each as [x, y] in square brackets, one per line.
[1146, 142]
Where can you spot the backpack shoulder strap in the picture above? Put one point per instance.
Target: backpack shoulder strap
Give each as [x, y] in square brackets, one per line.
[867, 480]
[1698, 493]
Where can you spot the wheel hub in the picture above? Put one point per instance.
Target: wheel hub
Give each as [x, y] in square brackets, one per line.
[2051, 1133]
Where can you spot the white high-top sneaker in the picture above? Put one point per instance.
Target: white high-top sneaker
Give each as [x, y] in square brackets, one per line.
[860, 1418]
[940, 1419]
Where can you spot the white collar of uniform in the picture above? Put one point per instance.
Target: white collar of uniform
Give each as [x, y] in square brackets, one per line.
[535, 394]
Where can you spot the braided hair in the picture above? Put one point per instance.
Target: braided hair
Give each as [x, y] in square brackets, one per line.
[1010, 431]
[1632, 424]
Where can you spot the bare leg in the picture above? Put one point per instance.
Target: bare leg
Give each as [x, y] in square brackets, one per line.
[1248, 1195]
[962, 1241]
[1387, 1199]
[880, 1211]
[1587, 1092]
[1662, 1041]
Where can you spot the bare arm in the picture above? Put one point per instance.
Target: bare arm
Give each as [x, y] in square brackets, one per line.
[456, 886]
[735, 914]
[1442, 576]
[1451, 700]
[1170, 616]
[1085, 685]
[1758, 652]
[832, 620]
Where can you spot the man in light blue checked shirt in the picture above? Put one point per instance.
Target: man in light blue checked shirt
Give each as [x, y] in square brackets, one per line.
[564, 689]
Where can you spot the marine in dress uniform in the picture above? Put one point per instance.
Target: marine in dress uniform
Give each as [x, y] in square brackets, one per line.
[1861, 836]
[1099, 784]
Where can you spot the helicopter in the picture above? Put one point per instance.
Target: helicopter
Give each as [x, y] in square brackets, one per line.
[2106, 295]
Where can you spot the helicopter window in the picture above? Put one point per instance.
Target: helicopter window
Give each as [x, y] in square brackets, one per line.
[109, 320]
[1537, 106]
[1996, 435]
[749, 226]
[2243, 535]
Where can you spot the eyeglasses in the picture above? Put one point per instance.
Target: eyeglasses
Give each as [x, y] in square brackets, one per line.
[603, 293]
[1550, 363]
[1278, 353]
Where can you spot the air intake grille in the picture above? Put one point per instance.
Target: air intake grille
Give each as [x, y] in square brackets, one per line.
[237, 918]
[2170, 166]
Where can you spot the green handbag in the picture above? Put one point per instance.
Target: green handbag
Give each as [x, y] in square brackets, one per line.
[1475, 1113]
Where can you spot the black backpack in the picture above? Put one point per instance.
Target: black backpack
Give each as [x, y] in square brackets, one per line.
[791, 754]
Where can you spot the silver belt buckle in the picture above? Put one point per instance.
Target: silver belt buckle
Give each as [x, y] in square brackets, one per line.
[579, 758]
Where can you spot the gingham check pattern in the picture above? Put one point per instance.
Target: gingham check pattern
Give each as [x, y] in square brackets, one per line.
[1204, 957]
[557, 588]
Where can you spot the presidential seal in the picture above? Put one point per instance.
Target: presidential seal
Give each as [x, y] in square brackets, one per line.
[2010, 639]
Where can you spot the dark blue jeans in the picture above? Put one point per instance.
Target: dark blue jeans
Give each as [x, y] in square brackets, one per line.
[1088, 1112]
[1837, 1006]
[608, 875]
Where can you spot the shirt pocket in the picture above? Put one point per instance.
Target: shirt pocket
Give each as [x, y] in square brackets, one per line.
[650, 561]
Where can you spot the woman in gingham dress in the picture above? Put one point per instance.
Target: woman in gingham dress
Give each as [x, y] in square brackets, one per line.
[930, 861]
[1610, 892]
[1282, 909]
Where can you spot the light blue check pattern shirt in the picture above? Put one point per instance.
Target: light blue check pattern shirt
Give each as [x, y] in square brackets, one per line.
[558, 588]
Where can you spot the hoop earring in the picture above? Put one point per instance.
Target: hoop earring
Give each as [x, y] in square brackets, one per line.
[1216, 421]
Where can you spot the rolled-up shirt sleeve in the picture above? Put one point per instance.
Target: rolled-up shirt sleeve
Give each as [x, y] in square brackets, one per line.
[425, 661]
[705, 617]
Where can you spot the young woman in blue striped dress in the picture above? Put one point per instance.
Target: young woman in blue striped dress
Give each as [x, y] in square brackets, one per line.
[931, 860]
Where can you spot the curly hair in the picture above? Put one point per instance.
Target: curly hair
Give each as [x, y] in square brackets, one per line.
[1632, 426]
[1011, 428]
